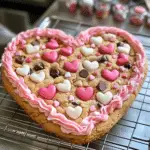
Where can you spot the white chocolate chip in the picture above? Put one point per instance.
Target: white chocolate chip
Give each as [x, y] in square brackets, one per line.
[23, 71]
[109, 37]
[67, 75]
[87, 51]
[37, 77]
[74, 113]
[97, 40]
[32, 49]
[104, 98]
[64, 87]
[126, 45]
[122, 49]
[90, 66]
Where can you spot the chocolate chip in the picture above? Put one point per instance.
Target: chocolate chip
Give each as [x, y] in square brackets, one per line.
[54, 73]
[99, 105]
[75, 103]
[31, 71]
[83, 73]
[39, 66]
[128, 66]
[102, 59]
[124, 41]
[19, 59]
[102, 86]
[34, 43]
[119, 44]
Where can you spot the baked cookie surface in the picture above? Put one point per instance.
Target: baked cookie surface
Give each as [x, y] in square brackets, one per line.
[79, 86]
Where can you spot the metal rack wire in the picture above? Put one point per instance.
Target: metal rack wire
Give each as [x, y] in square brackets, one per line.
[130, 133]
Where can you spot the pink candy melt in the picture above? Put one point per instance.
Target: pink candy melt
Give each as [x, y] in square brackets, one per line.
[37, 55]
[88, 123]
[124, 75]
[122, 59]
[91, 77]
[114, 56]
[71, 98]
[56, 103]
[72, 66]
[109, 64]
[52, 44]
[43, 47]
[122, 68]
[66, 51]
[47, 93]
[84, 94]
[50, 56]
[28, 60]
[93, 45]
[95, 73]
[116, 86]
[92, 108]
[109, 49]
[79, 56]
[110, 75]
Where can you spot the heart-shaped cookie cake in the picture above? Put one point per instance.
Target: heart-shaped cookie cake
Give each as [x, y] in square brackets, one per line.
[77, 88]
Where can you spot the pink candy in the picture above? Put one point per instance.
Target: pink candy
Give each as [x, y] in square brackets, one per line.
[124, 75]
[108, 49]
[110, 75]
[95, 73]
[50, 56]
[66, 51]
[98, 54]
[109, 64]
[43, 47]
[91, 77]
[92, 108]
[28, 60]
[84, 94]
[71, 97]
[122, 68]
[122, 59]
[37, 55]
[72, 66]
[79, 56]
[93, 45]
[56, 103]
[52, 44]
[115, 86]
[114, 56]
[47, 93]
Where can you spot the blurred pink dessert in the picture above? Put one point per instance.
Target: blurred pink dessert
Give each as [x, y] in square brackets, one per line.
[120, 12]
[86, 7]
[137, 15]
[102, 9]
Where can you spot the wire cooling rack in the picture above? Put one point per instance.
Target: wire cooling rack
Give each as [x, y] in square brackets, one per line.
[132, 132]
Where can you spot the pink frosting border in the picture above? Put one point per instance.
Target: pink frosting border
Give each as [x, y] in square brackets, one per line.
[88, 123]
